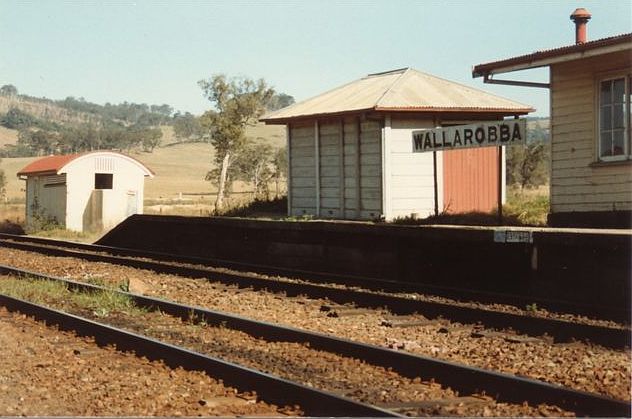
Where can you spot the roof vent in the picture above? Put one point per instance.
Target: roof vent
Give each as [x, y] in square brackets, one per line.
[581, 17]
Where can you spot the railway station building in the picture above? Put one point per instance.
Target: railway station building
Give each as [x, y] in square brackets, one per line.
[351, 149]
[590, 84]
[84, 192]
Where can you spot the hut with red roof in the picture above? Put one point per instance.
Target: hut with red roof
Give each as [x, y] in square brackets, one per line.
[84, 192]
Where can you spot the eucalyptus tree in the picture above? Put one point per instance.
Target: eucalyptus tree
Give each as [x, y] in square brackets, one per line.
[238, 103]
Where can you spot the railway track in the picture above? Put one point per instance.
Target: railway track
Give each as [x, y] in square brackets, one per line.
[50, 372]
[376, 284]
[313, 402]
[559, 330]
[466, 380]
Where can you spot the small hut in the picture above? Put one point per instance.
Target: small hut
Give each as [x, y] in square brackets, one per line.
[84, 192]
[351, 155]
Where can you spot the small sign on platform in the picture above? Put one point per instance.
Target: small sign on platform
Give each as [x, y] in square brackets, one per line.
[513, 236]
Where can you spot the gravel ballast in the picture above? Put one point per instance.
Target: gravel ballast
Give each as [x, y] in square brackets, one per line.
[576, 365]
[47, 372]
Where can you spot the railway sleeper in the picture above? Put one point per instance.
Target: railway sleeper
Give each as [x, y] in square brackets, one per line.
[464, 379]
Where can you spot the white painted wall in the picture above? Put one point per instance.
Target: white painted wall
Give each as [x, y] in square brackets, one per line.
[409, 179]
[118, 203]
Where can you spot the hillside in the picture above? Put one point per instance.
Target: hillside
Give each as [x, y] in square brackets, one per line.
[7, 136]
[44, 109]
[179, 167]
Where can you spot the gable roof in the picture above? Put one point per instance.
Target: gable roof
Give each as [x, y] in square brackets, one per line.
[402, 90]
[54, 165]
[555, 55]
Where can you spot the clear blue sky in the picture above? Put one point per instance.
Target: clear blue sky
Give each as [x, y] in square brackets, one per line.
[156, 51]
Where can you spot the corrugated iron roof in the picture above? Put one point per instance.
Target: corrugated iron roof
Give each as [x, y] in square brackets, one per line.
[535, 58]
[402, 90]
[50, 164]
[53, 164]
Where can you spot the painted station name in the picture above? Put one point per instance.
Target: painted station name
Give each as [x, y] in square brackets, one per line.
[486, 134]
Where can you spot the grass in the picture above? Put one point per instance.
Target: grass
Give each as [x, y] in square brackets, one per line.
[529, 207]
[523, 208]
[100, 303]
[275, 208]
[12, 212]
[8, 136]
[63, 234]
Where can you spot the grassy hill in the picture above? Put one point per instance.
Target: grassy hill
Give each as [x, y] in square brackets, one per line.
[179, 167]
[44, 109]
[7, 136]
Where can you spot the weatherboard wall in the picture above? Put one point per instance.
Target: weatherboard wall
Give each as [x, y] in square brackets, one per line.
[330, 162]
[579, 182]
[363, 169]
[411, 179]
[46, 199]
[302, 170]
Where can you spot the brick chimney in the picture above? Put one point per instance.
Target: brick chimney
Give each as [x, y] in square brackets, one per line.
[581, 17]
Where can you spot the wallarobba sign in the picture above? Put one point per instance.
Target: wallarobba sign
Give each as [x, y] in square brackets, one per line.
[485, 134]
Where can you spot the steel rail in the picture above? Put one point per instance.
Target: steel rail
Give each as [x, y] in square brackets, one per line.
[272, 389]
[465, 379]
[378, 284]
[559, 330]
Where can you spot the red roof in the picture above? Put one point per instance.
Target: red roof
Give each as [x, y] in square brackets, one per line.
[487, 68]
[53, 164]
[50, 164]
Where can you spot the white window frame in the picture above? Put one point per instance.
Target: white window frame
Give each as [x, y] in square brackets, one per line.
[627, 78]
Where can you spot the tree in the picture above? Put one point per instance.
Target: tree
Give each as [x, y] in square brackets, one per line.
[163, 109]
[526, 166]
[8, 90]
[279, 101]
[254, 164]
[238, 103]
[187, 127]
[280, 167]
[16, 119]
[151, 138]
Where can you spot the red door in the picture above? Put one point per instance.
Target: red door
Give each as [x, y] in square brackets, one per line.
[470, 180]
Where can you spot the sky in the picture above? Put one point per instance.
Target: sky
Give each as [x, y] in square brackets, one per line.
[155, 52]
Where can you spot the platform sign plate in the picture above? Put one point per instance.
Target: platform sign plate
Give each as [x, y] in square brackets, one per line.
[484, 134]
[513, 236]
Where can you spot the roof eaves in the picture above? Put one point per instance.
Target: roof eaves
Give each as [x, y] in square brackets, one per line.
[287, 119]
[508, 111]
[555, 55]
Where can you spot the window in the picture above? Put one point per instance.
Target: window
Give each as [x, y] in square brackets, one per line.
[614, 118]
[103, 180]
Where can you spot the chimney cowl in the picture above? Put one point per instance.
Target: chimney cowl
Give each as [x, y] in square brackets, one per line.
[581, 13]
[581, 17]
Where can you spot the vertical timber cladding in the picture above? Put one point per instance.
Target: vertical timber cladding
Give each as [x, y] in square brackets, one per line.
[329, 161]
[302, 157]
[370, 169]
[344, 180]
[351, 168]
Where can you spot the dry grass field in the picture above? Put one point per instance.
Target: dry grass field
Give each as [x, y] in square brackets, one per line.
[178, 187]
[7, 136]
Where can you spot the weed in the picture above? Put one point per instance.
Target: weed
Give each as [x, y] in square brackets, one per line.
[101, 303]
[531, 308]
